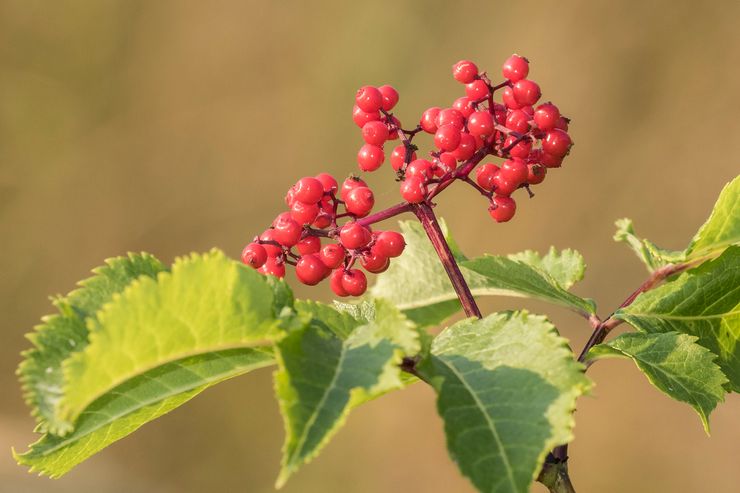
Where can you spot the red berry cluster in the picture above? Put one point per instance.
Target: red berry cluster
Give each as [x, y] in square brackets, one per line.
[295, 236]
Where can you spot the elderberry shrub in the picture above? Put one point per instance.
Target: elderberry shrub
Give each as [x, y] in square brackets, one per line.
[528, 139]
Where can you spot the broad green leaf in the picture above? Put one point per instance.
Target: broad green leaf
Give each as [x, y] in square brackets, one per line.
[703, 302]
[64, 333]
[418, 284]
[332, 365]
[675, 364]
[507, 386]
[136, 402]
[207, 303]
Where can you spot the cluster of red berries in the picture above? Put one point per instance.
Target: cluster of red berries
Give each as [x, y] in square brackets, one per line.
[295, 236]
[530, 139]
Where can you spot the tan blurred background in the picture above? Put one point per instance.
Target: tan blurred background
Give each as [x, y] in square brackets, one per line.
[177, 126]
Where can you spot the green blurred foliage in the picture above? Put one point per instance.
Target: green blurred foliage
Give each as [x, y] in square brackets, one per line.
[175, 126]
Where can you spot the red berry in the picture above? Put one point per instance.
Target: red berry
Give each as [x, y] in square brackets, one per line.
[447, 137]
[413, 189]
[447, 162]
[375, 133]
[362, 117]
[254, 255]
[328, 182]
[290, 197]
[309, 190]
[309, 245]
[480, 123]
[556, 143]
[271, 249]
[504, 186]
[354, 282]
[273, 267]
[509, 101]
[390, 243]
[421, 168]
[369, 99]
[450, 116]
[502, 209]
[466, 148]
[335, 282]
[310, 270]
[360, 201]
[546, 116]
[499, 111]
[514, 170]
[464, 105]
[393, 128]
[518, 121]
[287, 231]
[485, 174]
[519, 150]
[465, 71]
[390, 97]
[515, 68]
[304, 213]
[550, 161]
[332, 255]
[477, 90]
[349, 184]
[354, 236]
[536, 173]
[398, 157]
[370, 157]
[375, 262]
[429, 119]
[562, 123]
[526, 92]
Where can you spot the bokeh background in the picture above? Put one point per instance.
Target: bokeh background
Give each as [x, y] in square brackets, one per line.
[177, 126]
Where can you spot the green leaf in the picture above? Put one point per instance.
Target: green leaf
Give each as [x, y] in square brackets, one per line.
[207, 303]
[136, 402]
[507, 386]
[675, 364]
[332, 365]
[65, 333]
[418, 284]
[703, 302]
[651, 255]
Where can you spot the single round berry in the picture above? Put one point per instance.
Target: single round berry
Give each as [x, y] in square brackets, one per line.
[504, 186]
[536, 173]
[556, 143]
[290, 197]
[335, 283]
[464, 105]
[450, 116]
[421, 168]
[526, 92]
[521, 149]
[550, 161]
[309, 190]
[398, 157]
[447, 137]
[485, 174]
[304, 213]
[390, 244]
[369, 99]
[310, 269]
[562, 123]
[514, 170]
[375, 262]
[273, 267]
[428, 120]
[509, 100]
[254, 255]
[480, 123]
[447, 162]
[287, 231]
[546, 116]
[349, 184]
[393, 128]
[465, 71]
[354, 236]
[515, 68]
[267, 240]
[309, 245]
[518, 121]
[354, 282]
[328, 182]
[375, 133]
[502, 209]
[370, 157]
[477, 90]
[466, 148]
[332, 255]
[390, 97]
[362, 117]
[413, 189]
[360, 201]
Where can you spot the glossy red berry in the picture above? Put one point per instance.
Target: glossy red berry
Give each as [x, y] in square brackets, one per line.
[477, 90]
[466, 148]
[308, 190]
[309, 245]
[518, 121]
[328, 182]
[514, 170]
[464, 105]
[546, 116]
[354, 236]
[335, 283]
[465, 71]
[556, 143]
[398, 157]
[304, 213]
[375, 262]
[550, 161]
[447, 162]
[390, 97]
[480, 123]
[360, 201]
[521, 149]
[287, 231]
[562, 123]
[354, 282]
[526, 92]
[390, 243]
[369, 99]
[267, 240]
[421, 168]
[254, 255]
[515, 68]
[484, 175]
[413, 189]
[393, 128]
[502, 209]
[503, 186]
[332, 255]
[362, 117]
[509, 100]
[273, 267]
[450, 116]
[349, 184]
[536, 173]
[370, 157]
[428, 120]
[447, 137]
[375, 133]
[310, 269]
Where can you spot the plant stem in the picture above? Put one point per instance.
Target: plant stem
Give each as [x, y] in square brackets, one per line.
[431, 226]
[555, 476]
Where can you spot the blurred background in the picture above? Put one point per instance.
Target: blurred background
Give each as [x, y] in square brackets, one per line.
[177, 126]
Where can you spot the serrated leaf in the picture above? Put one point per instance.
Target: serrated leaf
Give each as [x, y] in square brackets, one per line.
[332, 365]
[703, 302]
[136, 402]
[651, 255]
[507, 386]
[65, 333]
[418, 284]
[207, 303]
[675, 364]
